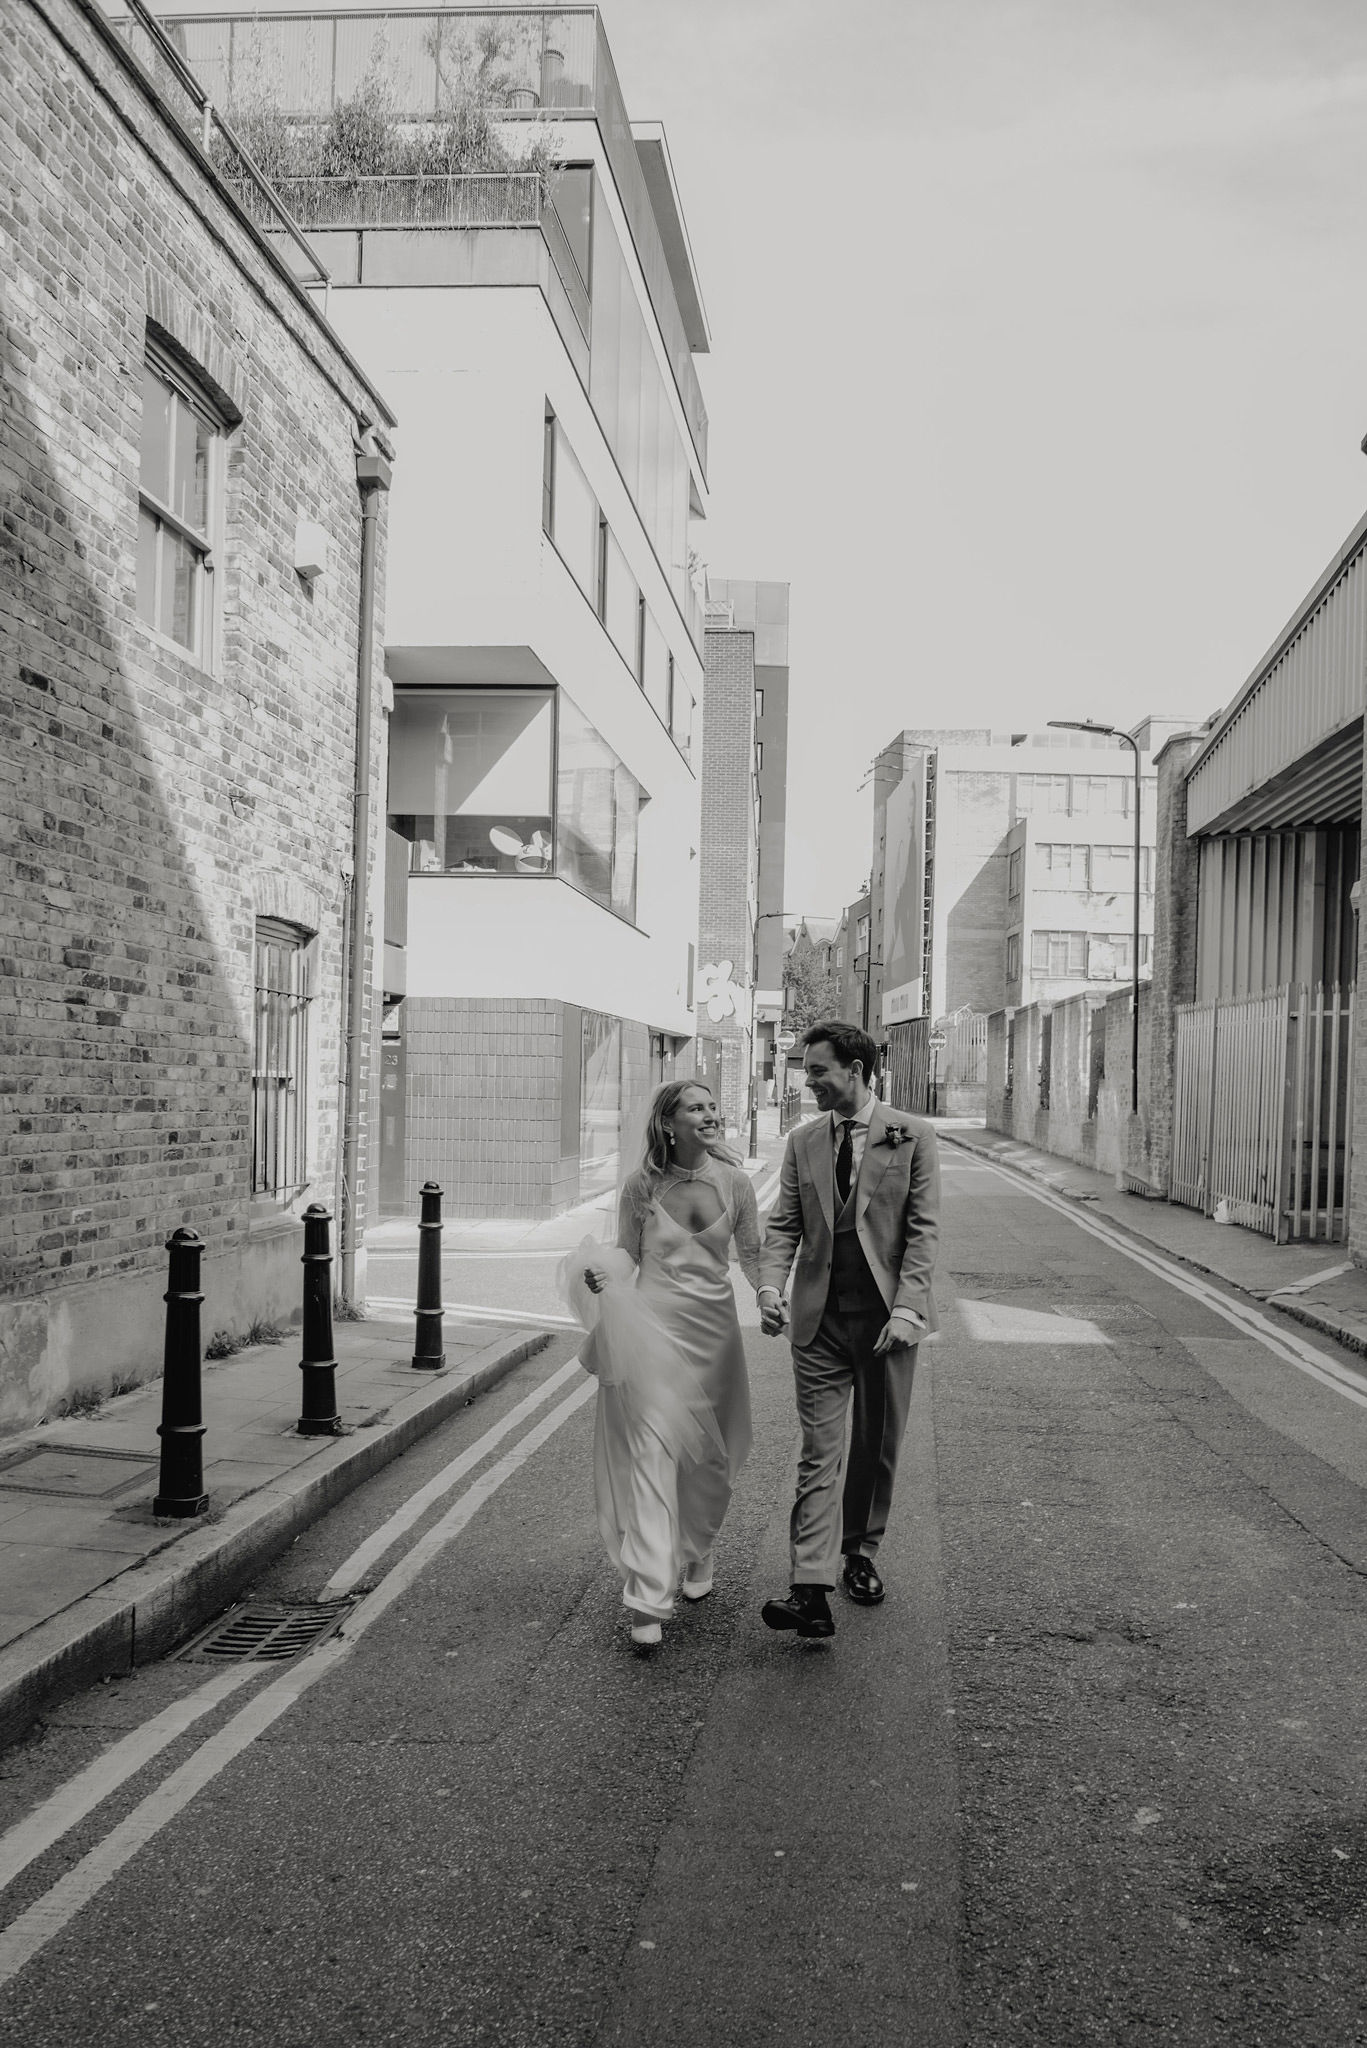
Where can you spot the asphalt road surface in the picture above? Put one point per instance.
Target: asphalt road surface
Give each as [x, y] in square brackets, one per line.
[1094, 1773]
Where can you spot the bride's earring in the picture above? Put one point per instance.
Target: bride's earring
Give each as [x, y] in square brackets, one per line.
[669, 1137]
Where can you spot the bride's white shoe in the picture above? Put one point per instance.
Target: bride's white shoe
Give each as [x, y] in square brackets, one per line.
[697, 1581]
[646, 1633]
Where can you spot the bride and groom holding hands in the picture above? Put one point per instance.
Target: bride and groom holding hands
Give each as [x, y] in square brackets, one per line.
[855, 1226]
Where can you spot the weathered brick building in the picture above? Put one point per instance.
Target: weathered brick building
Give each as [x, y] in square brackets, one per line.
[190, 463]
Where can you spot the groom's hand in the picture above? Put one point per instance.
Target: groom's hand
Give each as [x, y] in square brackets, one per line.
[898, 1334]
[772, 1314]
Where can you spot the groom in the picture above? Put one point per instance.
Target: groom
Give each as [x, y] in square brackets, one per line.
[858, 1206]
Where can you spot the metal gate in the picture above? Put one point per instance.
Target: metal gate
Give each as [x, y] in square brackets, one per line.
[964, 1061]
[909, 1065]
[1262, 1111]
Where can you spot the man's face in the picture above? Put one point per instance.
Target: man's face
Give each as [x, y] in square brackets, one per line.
[835, 1087]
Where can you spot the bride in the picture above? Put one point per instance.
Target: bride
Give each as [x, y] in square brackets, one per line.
[673, 1417]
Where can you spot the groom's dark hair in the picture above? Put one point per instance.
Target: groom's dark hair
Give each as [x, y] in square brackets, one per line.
[848, 1043]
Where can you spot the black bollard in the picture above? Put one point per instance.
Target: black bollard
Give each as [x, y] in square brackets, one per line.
[318, 1414]
[181, 1480]
[429, 1353]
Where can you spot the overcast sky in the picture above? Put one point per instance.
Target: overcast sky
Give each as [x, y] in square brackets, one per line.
[1038, 348]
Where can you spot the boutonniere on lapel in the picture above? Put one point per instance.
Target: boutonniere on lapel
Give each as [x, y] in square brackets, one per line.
[893, 1136]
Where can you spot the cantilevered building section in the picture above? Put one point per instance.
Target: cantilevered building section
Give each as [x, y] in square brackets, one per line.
[545, 643]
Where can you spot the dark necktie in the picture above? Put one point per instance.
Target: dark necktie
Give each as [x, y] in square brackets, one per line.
[844, 1160]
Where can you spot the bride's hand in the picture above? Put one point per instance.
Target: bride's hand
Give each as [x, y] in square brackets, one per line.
[594, 1279]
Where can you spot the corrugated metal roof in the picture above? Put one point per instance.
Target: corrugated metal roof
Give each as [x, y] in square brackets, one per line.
[1308, 689]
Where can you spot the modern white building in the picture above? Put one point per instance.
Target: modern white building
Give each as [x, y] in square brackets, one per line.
[545, 634]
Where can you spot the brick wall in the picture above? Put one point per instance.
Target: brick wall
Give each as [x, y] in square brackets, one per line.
[1067, 1033]
[154, 810]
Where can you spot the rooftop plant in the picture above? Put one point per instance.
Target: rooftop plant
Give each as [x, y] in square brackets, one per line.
[367, 135]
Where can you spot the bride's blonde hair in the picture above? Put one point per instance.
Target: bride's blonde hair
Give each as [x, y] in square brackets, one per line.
[655, 1157]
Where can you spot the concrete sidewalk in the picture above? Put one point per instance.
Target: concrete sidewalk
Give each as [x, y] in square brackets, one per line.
[1315, 1284]
[92, 1582]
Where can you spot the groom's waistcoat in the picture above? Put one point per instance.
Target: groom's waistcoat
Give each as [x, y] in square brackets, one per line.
[853, 1289]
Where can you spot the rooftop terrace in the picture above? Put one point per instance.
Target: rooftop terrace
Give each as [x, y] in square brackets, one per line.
[557, 62]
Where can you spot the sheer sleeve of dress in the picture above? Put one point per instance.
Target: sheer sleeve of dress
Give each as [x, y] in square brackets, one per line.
[631, 1215]
[747, 1232]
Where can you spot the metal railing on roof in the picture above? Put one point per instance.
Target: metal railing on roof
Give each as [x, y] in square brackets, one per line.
[192, 104]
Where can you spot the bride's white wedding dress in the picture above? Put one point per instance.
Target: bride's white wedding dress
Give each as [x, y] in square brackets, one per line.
[673, 1418]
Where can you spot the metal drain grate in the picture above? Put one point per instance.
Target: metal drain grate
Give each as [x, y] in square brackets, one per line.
[270, 1633]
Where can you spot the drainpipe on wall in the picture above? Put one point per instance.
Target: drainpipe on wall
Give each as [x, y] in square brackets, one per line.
[372, 478]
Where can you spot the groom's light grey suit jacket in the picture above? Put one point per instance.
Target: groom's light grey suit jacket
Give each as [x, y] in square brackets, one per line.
[897, 1218]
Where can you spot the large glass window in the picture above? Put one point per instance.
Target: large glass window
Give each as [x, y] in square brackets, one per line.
[630, 394]
[572, 198]
[1095, 794]
[470, 779]
[1036, 793]
[682, 711]
[655, 667]
[600, 1099]
[1113, 869]
[574, 518]
[597, 807]
[1063, 866]
[1058, 953]
[178, 490]
[620, 618]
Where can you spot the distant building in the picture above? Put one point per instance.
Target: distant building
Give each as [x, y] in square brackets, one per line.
[744, 823]
[196, 464]
[890, 922]
[852, 964]
[1009, 869]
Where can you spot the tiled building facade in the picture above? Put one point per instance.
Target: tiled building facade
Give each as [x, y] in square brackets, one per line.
[179, 726]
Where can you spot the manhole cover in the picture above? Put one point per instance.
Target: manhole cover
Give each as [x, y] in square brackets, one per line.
[269, 1633]
[80, 1473]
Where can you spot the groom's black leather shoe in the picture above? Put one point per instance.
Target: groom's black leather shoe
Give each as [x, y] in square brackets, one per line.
[806, 1610]
[862, 1582]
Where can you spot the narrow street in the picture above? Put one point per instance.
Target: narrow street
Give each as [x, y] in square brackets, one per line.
[1094, 1772]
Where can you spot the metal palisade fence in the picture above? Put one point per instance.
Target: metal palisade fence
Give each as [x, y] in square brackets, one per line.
[1262, 1111]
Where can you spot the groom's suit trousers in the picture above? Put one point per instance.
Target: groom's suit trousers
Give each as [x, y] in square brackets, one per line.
[839, 1363]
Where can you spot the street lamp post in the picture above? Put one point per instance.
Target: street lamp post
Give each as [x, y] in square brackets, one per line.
[1118, 733]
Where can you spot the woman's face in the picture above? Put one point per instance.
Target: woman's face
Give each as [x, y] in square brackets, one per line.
[695, 1115]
